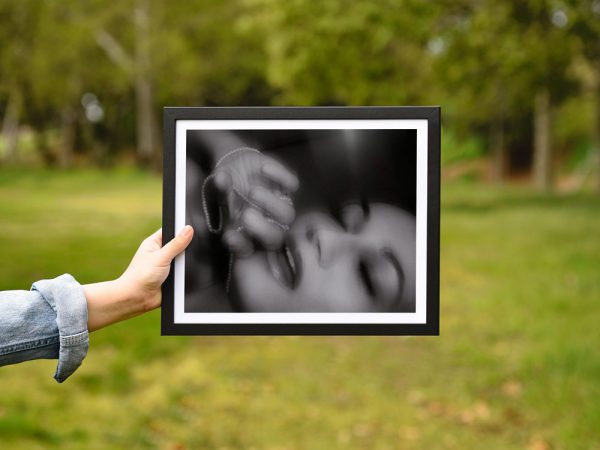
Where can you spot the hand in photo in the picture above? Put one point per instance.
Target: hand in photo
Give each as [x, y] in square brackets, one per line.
[253, 192]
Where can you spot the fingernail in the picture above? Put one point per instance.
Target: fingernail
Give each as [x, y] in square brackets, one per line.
[187, 230]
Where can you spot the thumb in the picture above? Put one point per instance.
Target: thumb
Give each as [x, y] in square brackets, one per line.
[176, 245]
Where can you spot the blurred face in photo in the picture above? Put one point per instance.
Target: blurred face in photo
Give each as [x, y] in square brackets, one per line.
[363, 261]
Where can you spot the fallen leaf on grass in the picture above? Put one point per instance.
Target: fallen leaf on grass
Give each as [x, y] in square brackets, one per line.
[512, 389]
[176, 446]
[362, 430]
[538, 443]
[410, 433]
[479, 412]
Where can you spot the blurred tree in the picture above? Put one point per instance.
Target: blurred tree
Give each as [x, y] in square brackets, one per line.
[17, 19]
[586, 26]
[346, 52]
[189, 53]
[60, 67]
[478, 71]
[214, 57]
[546, 54]
[504, 58]
[46, 66]
[132, 54]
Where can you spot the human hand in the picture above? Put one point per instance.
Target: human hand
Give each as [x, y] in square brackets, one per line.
[253, 191]
[139, 288]
[150, 266]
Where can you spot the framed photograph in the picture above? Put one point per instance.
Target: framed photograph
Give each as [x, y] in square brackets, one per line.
[307, 220]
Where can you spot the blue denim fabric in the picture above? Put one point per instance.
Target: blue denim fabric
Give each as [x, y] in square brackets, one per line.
[49, 322]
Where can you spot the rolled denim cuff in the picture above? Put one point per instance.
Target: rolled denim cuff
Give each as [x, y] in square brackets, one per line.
[66, 297]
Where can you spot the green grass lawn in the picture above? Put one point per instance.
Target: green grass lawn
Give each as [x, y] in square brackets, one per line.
[517, 364]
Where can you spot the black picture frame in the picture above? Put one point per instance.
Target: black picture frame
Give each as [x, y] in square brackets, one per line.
[431, 114]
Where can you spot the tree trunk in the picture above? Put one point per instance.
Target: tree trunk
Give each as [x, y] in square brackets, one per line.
[65, 155]
[497, 147]
[145, 120]
[10, 127]
[140, 70]
[542, 152]
[43, 148]
[146, 126]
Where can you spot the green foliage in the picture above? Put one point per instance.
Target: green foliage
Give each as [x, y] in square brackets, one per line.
[457, 148]
[482, 61]
[515, 366]
[341, 52]
[572, 120]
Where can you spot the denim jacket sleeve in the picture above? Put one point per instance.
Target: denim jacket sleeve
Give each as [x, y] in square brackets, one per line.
[49, 322]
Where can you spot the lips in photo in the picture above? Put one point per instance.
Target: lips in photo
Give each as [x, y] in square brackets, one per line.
[285, 264]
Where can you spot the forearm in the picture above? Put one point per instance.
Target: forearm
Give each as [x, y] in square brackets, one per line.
[111, 301]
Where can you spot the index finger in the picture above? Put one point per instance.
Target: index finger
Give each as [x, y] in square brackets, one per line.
[281, 175]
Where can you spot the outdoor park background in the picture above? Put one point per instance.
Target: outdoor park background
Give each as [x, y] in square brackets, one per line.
[517, 365]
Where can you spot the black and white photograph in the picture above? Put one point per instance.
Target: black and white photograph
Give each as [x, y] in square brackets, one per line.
[299, 222]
